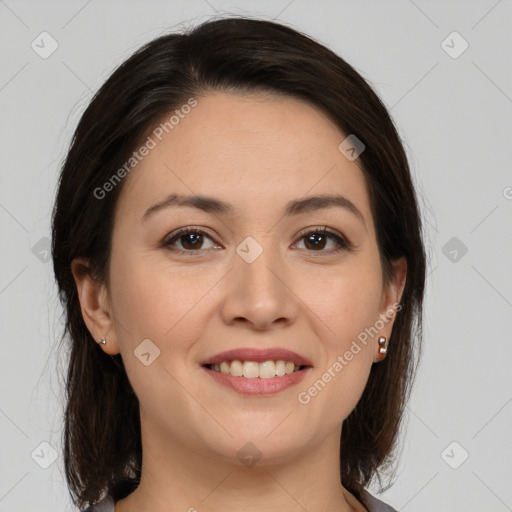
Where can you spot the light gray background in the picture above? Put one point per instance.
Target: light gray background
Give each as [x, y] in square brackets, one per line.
[455, 117]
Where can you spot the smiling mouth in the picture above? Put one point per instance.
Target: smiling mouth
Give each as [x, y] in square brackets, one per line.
[256, 370]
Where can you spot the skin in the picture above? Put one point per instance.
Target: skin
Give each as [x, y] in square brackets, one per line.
[257, 152]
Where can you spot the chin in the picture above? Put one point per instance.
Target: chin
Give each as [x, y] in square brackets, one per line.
[268, 446]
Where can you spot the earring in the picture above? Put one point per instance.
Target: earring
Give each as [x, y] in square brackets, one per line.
[102, 341]
[382, 345]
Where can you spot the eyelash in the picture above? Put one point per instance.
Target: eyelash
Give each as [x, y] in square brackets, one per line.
[342, 244]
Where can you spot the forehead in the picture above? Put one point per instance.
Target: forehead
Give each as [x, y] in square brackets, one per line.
[255, 151]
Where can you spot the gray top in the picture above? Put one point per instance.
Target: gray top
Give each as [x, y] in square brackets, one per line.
[107, 505]
[375, 504]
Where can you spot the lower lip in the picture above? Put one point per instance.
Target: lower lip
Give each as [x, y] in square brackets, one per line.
[257, 386]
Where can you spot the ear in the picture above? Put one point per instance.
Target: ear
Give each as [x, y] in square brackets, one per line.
[394, 289]
[95, 306]
[390, 303]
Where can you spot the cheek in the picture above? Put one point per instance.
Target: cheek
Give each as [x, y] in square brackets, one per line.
[169, 307]
[346, 301]
[151, 299]
[345, 312]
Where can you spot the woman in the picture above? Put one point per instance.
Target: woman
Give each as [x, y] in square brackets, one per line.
[237, 243]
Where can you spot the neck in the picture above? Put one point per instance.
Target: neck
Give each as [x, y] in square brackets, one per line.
[179, 477]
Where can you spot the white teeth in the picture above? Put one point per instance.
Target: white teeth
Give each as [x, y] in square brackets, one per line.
[236, 368]
[253, 369]
[289, 367]
[280, 368]
[267, 370]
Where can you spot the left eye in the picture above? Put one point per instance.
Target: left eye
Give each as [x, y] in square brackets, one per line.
[318, 238]
[193, 239]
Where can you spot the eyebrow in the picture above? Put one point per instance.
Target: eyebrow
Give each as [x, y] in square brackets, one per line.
[216, 206]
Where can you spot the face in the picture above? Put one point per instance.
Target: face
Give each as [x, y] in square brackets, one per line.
[264, 273]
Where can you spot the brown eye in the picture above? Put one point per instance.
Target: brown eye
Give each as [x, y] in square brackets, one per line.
[190, 239]
[317, 240]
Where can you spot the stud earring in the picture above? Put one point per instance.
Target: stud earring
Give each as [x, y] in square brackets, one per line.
[382, 345]
[102, 341]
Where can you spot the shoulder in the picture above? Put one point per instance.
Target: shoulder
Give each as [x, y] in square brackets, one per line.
[105, 505]
[376, 505]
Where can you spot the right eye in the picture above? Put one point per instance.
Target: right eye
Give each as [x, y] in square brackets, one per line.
[191, 239]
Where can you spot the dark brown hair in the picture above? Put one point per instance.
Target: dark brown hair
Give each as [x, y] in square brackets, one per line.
[102, 438]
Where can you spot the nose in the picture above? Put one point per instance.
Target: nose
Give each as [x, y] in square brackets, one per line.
[259, 294]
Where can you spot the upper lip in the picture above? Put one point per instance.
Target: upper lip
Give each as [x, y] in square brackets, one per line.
[258, 355]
